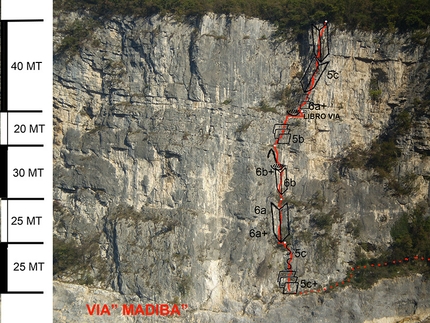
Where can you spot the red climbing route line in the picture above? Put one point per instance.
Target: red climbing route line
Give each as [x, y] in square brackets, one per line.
[300, 115]
[286, 278]
[372, 265]
[305, 100]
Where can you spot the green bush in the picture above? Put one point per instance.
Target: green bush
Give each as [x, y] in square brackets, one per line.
[404, 185]
[317, 200]
[383, 155]
[66, 255]
[353, 227]
[419, 37]
[356, 158]
[76, 34]
[322, 221]
[421, 106]
[374, 91]
[375, 95]
[365, 278]
[403, 123]
[77, 260]
[265, 107]
[411, 237]
[411, 234]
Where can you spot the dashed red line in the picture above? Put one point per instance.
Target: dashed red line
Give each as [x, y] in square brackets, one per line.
[373, 265]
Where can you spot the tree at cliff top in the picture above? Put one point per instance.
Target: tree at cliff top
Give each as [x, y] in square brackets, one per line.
[295, 14]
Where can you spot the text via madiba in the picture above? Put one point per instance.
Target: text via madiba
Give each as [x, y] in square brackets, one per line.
[148, 309]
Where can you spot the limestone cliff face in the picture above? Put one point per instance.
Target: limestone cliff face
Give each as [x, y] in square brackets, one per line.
[159, 131]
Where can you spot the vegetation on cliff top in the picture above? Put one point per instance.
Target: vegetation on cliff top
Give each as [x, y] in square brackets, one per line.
[295, 14]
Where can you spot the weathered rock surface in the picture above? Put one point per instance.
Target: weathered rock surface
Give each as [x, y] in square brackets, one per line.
[158, 134]
[387, 301]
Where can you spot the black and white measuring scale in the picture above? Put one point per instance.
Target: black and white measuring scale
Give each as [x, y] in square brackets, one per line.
[26, 161]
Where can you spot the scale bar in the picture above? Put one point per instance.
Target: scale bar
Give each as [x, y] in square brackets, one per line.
[23, 111]
[22, 31]
[3, 148]
[22, 20]
[4, 169]
[4, 276]
[12, 292]
[4, 66]
[5, 60]
[22, 198]
[22, 242]
[28, 146]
